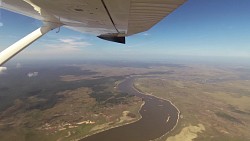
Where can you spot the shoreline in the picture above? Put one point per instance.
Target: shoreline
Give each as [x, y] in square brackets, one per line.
[140, 117]
[134, 87]
[112, 127]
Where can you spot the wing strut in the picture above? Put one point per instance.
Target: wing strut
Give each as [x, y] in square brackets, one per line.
[17, 47]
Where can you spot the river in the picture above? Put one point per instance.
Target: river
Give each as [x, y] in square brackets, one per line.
[158, 117]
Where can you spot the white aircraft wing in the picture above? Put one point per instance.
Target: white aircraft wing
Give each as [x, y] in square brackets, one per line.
[108, 19]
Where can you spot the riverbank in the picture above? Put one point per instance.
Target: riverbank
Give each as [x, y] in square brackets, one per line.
[152, 124]
[115, 126]
[111, 127]
[145, 93]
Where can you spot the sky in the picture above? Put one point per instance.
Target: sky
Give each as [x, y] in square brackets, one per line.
[199, 28]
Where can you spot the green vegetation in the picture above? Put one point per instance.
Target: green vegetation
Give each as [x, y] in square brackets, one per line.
[46, 108]
[215, 97]
[71, 102]
[228, 117]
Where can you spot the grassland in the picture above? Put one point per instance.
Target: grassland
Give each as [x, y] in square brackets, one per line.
[73, 116]
[187, 133]
[46, 108]
[215, 97]
[69, 102]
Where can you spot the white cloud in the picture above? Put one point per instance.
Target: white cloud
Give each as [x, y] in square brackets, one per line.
[66, 45]
[1, 24]
[32, 74]
[63, 47]
[74, 42]
[2, 70]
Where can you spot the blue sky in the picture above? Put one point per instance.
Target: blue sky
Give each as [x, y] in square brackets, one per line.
[202, 28]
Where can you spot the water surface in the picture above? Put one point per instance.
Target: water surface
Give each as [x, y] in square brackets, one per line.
[158, 118]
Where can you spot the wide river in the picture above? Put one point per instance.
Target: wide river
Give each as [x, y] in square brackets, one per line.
[158, 117]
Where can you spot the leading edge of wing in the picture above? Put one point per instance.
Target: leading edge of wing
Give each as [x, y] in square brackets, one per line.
[108, 19]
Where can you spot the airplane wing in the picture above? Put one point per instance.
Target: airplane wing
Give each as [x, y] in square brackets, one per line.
[111, 20]
[100, 17]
